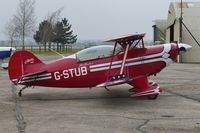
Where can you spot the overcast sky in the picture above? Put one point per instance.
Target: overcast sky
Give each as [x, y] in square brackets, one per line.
[96, 19]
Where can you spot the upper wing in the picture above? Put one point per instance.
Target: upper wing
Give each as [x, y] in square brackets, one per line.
[127, 38]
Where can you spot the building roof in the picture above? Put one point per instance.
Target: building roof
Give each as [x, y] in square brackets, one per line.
[190, 9]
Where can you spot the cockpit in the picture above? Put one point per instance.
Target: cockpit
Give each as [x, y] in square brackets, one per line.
[96, 52]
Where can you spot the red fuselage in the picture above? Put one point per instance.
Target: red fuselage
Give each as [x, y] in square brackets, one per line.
[71, 72]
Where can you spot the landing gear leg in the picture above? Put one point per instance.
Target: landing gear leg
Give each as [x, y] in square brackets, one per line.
[106, 88]
[20, 91]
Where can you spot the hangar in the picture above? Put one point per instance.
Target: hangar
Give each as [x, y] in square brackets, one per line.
[185, 30]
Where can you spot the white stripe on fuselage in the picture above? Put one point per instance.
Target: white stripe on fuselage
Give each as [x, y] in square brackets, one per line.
[34, 78]
[37, 76]
[163, 56]
[37, 79]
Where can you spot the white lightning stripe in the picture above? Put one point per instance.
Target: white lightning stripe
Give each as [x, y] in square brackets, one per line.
[37, 76]
[128, 60]
[104, 68]
[99, 69]
[105, 64]
[167, 61]
[144, 62]
[38, 79]
[134, 59]
[140, 60]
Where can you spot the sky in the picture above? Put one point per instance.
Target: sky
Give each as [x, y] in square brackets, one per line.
[96, 19]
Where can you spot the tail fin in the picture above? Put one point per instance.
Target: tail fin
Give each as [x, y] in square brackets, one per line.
[23, 63]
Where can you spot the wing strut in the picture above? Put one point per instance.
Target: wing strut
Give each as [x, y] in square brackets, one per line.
[121, 77]
[124, 59]
[113, 54]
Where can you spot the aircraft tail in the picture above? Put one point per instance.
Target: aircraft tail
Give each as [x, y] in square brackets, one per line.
[24, 63]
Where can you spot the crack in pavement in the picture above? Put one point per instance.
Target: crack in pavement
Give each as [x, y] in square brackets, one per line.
[139, 127]
[18, 113]
[190, 82]
[184, 96]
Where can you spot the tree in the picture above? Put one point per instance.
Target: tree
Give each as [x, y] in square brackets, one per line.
[25, 19]
[68, 33]
[44, 34]
[60, 33]
[63, 34]
[11, 31]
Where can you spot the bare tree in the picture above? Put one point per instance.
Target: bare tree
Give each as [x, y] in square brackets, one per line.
[44, 34]
[52, 19]
[25, 19]
[55, 16]
[11, 31]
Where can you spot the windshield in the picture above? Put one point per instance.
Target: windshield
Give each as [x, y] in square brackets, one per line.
[95, 52]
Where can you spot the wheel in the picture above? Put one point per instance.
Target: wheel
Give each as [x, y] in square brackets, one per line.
[20, 93]
[152, 97]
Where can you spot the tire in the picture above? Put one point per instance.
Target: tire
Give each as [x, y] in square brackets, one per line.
[152, 97]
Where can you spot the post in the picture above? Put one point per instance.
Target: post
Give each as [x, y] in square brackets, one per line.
[181, 28]
[181, 23]
[39, 49]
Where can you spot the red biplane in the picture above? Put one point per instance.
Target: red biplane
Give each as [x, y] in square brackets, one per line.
[128, 61]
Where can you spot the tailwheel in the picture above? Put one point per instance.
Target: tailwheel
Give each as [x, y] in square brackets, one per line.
[20, 92]
[132, 90]
[152, 97]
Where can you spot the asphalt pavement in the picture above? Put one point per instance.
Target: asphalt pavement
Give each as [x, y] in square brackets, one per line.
[84, 110]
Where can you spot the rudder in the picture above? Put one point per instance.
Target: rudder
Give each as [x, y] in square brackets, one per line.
[22, 63]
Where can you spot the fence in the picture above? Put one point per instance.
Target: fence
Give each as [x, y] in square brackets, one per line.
[59, 48]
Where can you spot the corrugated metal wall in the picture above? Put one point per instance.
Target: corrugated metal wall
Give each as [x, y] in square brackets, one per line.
[191, 18]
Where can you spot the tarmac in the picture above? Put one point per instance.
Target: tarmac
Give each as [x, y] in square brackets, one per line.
[84, 110]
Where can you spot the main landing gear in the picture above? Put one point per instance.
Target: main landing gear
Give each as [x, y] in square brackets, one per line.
[151, 92]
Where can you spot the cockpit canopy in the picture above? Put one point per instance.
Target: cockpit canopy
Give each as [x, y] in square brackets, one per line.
[101, 51]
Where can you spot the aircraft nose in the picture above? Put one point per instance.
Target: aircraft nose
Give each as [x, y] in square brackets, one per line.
[13, 49]
[184, 47]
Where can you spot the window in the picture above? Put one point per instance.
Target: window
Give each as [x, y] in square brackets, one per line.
[96, 52]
